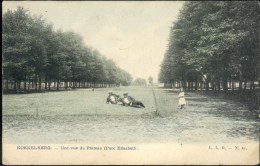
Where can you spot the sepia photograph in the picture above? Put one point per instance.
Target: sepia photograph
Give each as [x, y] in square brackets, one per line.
[130, 82]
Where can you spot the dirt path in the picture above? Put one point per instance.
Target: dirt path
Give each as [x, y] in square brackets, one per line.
[209, 119]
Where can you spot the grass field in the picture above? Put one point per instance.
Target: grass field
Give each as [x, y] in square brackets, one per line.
[74, 102]
[83, 116]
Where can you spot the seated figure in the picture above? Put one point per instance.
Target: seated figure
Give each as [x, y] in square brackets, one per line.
[130, 101]
[112, 98]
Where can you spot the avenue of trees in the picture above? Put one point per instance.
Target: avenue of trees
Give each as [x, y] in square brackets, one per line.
[35, 56]
[214, 45]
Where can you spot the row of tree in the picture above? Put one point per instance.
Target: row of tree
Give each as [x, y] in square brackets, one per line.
[139, 82]
[35, 54]
[214, 44]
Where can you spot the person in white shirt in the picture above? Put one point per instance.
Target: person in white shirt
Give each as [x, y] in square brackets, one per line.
[182, 101]
[112, 98]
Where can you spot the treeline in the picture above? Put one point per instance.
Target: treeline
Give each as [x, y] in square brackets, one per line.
[35, 56]
[139, 82]
[214, 45]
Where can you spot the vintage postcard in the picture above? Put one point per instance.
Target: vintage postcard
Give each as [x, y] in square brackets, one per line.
[130, 82]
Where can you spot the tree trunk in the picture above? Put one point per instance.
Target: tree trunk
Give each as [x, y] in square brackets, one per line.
[184, 85]
[45, 83]
[240, 85]
[32, 84]
[66, 84]
[218, 85]
[240, 80]
[212, 85]
[233, 85]
[36, 81]
[40, 83]
[49, 84]
[207, 85]
[19, 85]
[24, 86]
[58, 84]
[12, 85]
[229, 84]
[7, 85]
[201, 86]
[224, 84]
[15, 85]
[28, 87]
[196, 85]
[245, 85]
[252, 85]
[73, 84]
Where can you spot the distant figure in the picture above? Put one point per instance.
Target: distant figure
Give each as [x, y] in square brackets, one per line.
[182, 101]
[112, 98]
[130, 101]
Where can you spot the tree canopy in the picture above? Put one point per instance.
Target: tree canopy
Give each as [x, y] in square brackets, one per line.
[214, 43]
[33, 52]
[139, 82]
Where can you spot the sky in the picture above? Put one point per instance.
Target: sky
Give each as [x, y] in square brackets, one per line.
[133, 34]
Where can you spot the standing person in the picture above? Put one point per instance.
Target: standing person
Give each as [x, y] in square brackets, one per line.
[182, 101]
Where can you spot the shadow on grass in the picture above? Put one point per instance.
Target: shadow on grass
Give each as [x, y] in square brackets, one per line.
[250, 98]
[236, 105]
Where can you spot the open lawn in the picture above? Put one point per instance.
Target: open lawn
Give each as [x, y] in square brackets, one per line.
[83, 116]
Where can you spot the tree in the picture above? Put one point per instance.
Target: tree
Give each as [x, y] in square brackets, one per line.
[212, 43]
[150, 79]
[32, 50]
[16, 45]
[139, 82]
[124, 77]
